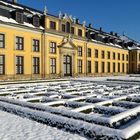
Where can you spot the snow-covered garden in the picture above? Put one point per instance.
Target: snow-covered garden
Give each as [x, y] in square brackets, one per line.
[95, 109]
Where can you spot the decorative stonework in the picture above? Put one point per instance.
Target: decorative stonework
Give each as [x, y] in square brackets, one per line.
[67, 47]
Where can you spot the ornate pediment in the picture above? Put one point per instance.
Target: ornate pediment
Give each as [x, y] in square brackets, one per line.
[68, 18]
[67, 42]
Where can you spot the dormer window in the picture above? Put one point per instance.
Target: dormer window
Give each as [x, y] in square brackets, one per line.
[68, 27]
[53, 25]
[19, 17]
[79, 32]
[63, 28]
[72, 30]
[36, 21]
[93, 36]
[112, 41]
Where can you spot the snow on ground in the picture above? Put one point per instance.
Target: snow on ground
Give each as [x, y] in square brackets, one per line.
[106, 107]
[123, 77]
[13, 127]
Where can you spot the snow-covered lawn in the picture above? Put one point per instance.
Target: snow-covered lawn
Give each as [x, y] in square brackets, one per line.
[13, 127]
[106, 107]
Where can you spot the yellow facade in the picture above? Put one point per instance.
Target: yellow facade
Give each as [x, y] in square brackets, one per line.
[110, 60]
[10, 52]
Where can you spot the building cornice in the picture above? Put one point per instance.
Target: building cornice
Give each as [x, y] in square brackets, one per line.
[20, 27]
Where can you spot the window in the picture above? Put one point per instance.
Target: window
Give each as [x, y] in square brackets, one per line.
[114, 56]
[103, 54]
[123, 57]
[123, 67]
[36, 45]
[79, 51]
[19, 65]
[19, 17]
[108, 67]
[53, 65]
[133, 67]
[103, 67]
[108, 55]
[114, 67]
[52, 25]
[128, 58]
[36, 21]
[36, 65]
[96, 53]
[133, 57]
[118, 56]
[118, 67]
[2, 41]
[89, 67]
[79, 66]
[72, 30]
[79, 32]
[63, 28]
[68, 27]
[127, 68]
[2, 64]
[19, 43]
[89, 52]
[52, 47]
[96, 67]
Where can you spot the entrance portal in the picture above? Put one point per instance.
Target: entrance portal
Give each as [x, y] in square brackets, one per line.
[67, 63]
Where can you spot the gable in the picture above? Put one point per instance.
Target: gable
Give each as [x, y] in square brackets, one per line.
[67, 43]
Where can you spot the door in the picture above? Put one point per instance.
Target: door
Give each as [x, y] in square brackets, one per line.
[67, 63]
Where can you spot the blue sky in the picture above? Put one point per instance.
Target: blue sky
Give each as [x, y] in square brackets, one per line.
[113, 15]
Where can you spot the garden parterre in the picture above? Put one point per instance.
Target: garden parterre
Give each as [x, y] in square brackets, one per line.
[95, 110]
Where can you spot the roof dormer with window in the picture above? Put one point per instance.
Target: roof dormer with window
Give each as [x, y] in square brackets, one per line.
[36, 21]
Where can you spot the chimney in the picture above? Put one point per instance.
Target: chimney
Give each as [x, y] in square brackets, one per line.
[90, 25]
[14, 1]
[77, 21]
[101, 29]
[111, 33]
[116, 34]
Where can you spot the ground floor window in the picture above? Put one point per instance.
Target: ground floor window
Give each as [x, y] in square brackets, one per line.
[118, 67]
[19, 64]
[127, 68]
[96, 67]
[79, 66]
[89, 66]
[133, 67]
[36, 65]
[108, 67]
[103, 67]
[123, 67]
[114, 67]
[2, 64]
[53, 65]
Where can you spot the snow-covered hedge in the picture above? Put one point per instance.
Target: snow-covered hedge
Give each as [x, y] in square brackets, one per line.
[75, 104]
[108, 110]
[47, 99]
[69, 124]
[95, 100]
[60, 111]
[26, 96]
[133, 99]
[125, 104]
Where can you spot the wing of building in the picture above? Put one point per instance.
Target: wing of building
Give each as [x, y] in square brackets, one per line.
[35, 44]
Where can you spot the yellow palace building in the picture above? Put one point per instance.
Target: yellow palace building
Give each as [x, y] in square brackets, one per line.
[35, 44]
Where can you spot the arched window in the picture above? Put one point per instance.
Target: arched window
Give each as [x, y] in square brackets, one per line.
[68, 27]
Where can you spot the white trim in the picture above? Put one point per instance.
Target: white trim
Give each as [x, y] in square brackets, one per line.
[53, 35]
[105, 45]
[22, 28]
[62, 36]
